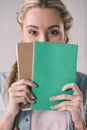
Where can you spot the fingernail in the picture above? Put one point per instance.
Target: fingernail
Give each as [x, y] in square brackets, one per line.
[33, 85]
[52, 107]
[32, 97]
[32, 102]
[50, 98]
[63, 89]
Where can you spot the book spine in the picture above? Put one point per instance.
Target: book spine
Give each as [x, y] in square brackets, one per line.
[17, 62]
[33, 56]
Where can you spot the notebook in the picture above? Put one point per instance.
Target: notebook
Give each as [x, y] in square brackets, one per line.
[53, 65]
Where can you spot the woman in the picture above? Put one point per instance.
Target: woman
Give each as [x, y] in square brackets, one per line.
[42, 20]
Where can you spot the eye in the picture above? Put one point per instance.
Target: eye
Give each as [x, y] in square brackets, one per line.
[54, 32]
[33, 32]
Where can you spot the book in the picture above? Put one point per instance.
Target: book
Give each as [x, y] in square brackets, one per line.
[53, 66]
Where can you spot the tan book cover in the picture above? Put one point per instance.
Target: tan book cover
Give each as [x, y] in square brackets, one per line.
[24, 63]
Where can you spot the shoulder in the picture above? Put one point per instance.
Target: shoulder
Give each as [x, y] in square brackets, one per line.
[3, 76]
[81, 76]
[81, 80]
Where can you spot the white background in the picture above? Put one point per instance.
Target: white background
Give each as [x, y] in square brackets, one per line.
[9, 33]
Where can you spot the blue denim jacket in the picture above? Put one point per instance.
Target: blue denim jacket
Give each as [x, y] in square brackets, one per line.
[81, 81]
[24, 116]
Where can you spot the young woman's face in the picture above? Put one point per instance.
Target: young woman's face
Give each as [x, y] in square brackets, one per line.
[43, 25]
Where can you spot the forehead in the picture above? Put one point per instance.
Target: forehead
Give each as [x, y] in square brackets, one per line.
[45, 16]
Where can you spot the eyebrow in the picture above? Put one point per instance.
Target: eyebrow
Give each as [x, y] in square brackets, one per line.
[32, 26]
[50, 27]
[53, 26]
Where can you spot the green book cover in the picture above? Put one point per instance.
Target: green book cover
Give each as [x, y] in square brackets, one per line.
[53, 66]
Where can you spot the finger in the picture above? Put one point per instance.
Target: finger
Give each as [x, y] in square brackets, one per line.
[26, 91]
[24, 82]
[21, 88]
[75, 104]
[23, 94]
[23, 100]
[67, 97]
[21, 91]
[18, 100]
[74, 87]
[64, 108]
[62, 97]
[57, 106]
[31, 95]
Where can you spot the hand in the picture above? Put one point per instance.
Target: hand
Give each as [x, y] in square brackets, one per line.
[74, 104]
[19, 93]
